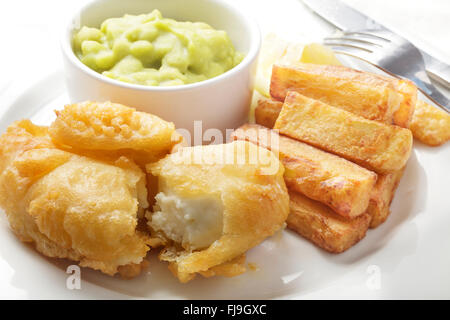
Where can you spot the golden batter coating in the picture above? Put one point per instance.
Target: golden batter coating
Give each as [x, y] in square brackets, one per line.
[114, 129]
[244, 202]
[92, 207]
[72, 206]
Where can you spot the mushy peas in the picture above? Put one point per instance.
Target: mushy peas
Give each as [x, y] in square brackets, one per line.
[150, 50]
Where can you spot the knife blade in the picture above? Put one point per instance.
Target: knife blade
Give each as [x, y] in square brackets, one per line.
[347, 18]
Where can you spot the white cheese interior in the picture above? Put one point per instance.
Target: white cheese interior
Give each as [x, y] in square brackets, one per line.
[195, 223]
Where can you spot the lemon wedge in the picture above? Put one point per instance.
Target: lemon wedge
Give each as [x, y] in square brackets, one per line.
[318, 54]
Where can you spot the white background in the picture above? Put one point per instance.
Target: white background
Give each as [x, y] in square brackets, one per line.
[29, 50]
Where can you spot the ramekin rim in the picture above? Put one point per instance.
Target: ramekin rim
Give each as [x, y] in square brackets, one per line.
[255, 44]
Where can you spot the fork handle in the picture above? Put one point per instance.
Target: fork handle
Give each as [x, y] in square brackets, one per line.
[424, 85]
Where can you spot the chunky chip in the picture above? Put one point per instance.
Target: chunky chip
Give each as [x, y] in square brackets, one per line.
[371, 144]
[369, 95]
[267, 111]
[430, 125]
[320, 225]
[342, 185]
[382, 196]
[404, 114]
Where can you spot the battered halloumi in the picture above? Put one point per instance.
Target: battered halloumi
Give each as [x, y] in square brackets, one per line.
[71, 206]
[113, 129]
[243, 202]
[371, 144]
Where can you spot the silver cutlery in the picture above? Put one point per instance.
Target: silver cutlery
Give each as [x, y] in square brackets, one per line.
[368, 40]
[391, 53]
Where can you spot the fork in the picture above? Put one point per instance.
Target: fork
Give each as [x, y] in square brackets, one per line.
[391, 53]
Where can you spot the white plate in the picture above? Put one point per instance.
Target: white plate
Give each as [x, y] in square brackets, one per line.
[408, 256]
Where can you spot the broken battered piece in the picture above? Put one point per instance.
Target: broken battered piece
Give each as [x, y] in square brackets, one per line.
[76, 192]
[334, 181]
[72, 206]
[373, 145]
[214, 204]
[113, 129]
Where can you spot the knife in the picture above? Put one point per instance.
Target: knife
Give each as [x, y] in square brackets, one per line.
[347, 18]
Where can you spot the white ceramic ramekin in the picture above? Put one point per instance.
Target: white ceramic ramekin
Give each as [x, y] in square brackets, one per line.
[221, 102]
